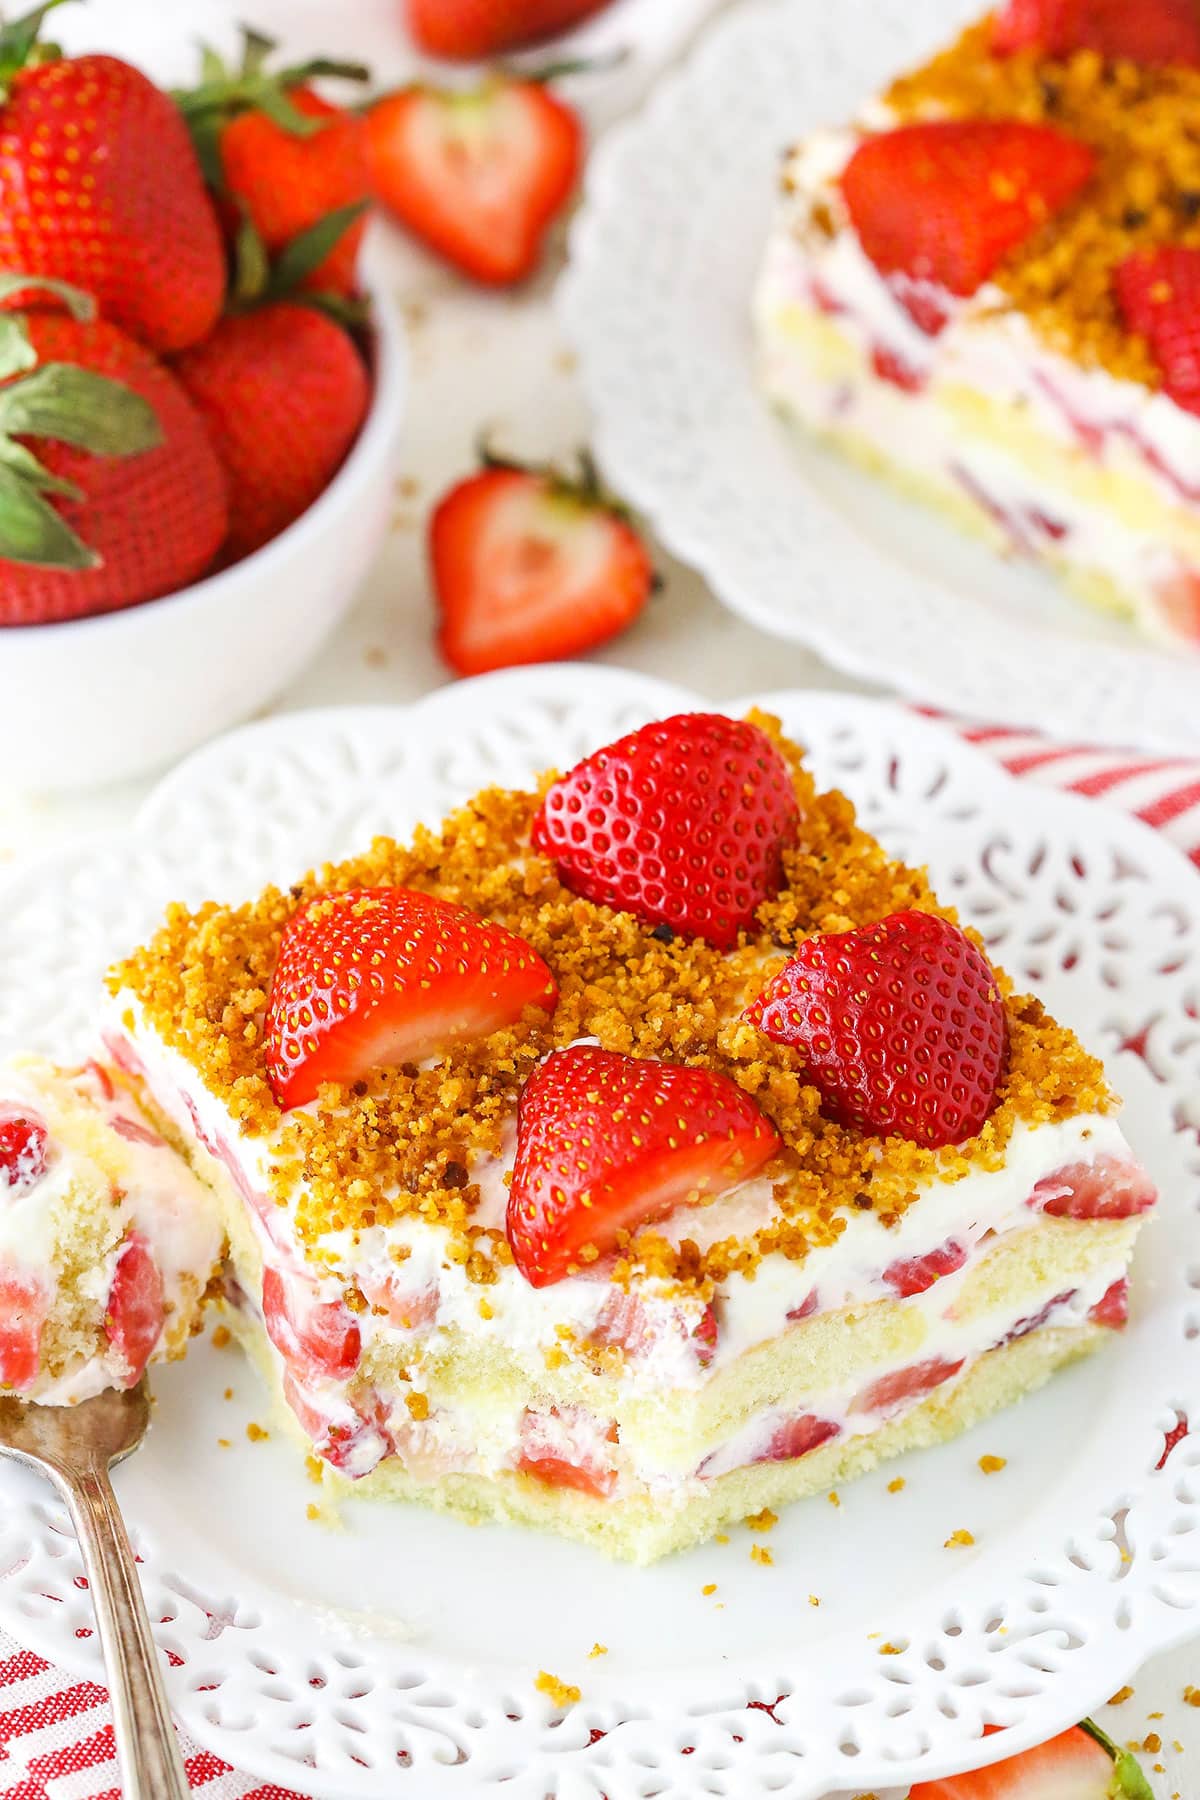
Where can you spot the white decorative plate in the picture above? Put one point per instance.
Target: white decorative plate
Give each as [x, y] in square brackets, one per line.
[409, 1645]
[657, 300]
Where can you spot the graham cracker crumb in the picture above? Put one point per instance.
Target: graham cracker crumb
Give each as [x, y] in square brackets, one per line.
[721, 1537]
[834, 1497]
[1121, 1696]
[1152, 1743]
[228, 1394]
[598, 1650]
[561, 1692]
[762, 1521]
[312, 1510]
[418, 1405]
[256, 1434]
[891, 1650]
[221, 1337]
[709, 1588]
[813, 1600]
[760, 1554]
[315, 1469]
[894, 1486]
[1191, 1696]
[224, 1444]
[992, 1465]
[959, 1540]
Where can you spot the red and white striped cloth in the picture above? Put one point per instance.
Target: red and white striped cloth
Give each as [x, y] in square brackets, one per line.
[56, 1739]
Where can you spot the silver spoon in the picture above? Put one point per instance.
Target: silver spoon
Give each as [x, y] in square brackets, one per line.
[74, 1447]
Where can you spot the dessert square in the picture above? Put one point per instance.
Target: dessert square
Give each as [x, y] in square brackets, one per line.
[632, 1153]
[985, 289]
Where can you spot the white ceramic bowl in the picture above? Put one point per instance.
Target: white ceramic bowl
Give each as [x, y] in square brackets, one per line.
[88, 701]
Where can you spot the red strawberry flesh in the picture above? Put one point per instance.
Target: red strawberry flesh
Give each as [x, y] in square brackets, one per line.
[24, 1305]
[1111, 1187]
[1150, 32]
[134, 1314]
[608, 1143]
[1158, 292]
[314, 1337]
[1112, 1309]
[24, 1148]
[374, 977]
[1071, 1767]
[682, 823]
[796, 1437]
[900, 1024]
[915, 1274]
[892, 1391]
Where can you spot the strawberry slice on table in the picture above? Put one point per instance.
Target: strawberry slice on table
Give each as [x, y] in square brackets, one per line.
[24, 1152]
[1081, 1764]
[24, 1304]
[1158, 292]
[531, 566]
[374, 977]
[900, 1024]
[608, 1143]
[478, 176]
[1150, 32]
[946, 200]
[134, 1314]
[477, 30]
[682, 823]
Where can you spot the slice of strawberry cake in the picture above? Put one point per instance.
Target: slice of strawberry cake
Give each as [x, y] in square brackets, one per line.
[632, 1154]
[987, 289]
[108, 1241]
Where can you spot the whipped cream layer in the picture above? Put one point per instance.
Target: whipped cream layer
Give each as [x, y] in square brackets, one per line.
[1066, 464]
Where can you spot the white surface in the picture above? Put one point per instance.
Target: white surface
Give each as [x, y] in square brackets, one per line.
[428, 1637]
[665, 254]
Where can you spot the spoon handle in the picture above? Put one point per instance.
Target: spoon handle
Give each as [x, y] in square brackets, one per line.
[151, 1768]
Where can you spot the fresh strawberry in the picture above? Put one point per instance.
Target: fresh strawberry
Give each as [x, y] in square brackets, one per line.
[480, 176]
[1034, 1321]
[915, 1274]
[890, 1392]
[1110, 1187]
[24, 1151]
[1150, 32]
[1179, 598]
[478, 30]
[682, 823]
[314, 1337]
[283, 392]
[100, 185]
[281, 158]
[352, 1435]
[946, 200]
[607, 1143]
[529, 566]
[1082, 1764]
[625, 1324]
[796, 1437]
[125, 500]
[1158, 292]
[900, 1024]
[378, 976]
[24, 1304]
[134, 1315]
[1112, 1309]
[548, 1453]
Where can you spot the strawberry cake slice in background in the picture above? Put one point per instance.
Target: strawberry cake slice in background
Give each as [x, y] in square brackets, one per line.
[108, 1242]
[634, 1153]
[985, 289]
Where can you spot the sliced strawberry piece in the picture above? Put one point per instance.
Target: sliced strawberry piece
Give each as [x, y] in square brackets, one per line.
[24, 1151]
[1035, 1321]
[408, 1308]
[893, 1391]
[24, 1305]
[1112, 1309]
[548, 1453]
[890, 366]
[683, 823]
[914, 1274]
[945, 201]
[704, 1338]
[133, 1318]
[136, 1133]
[530, 567]
[796, 1437]
[353, 1437]
[624, 1324]
[378, 976]
[1171, 1439]
[1150, 32]
[1075, 1766]
[608, 1143]
[314, 1337]
[1111, 1187]
[807, 1307]
[900, 1024]
[478, 30]
[1179, 598]
[478, 176]
[1158, 292]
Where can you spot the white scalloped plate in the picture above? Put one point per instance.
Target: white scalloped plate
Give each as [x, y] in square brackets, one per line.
[657, 300]
[409, 1643]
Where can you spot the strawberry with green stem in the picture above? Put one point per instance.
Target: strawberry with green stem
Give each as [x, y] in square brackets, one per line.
[1080, 1764]
[478, 30]
[110, 491]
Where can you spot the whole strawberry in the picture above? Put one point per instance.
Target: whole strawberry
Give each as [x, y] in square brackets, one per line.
[477, 30]
[682, 823]
[531, 566]
[117, 496]
[900, 1025]
[100, 186]
[282, 158]
[283, 392]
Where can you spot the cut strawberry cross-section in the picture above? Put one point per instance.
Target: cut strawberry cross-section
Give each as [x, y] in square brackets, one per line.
[24, 1304]
[682, 823]
[900, 1024]
[1081, 1764]
[1110, 1187]
[314, 1337]
[607, 1143]
[1158, 292]
[23, 1151]
[378, 976]
[946, 200]
[915, 1274]
[134, 1315]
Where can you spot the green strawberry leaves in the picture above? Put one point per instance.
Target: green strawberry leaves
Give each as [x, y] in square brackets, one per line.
[21, 46]
[1128, 1782]
[224, 92]
[258, 281]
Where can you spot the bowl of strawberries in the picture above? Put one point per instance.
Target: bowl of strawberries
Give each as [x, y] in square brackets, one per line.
[200, 401]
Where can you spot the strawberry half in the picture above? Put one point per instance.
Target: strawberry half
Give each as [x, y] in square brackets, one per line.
[24, 1152]
[1081, 1764]
[682, 823]
[378, 976]
[900, 1024]
[480, 176]
[1158, 292]
[947, 200]
[607, 1143]
[1150, 32]
[531, 567]
[477, 30]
